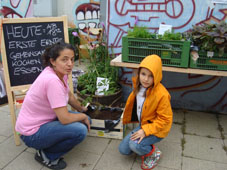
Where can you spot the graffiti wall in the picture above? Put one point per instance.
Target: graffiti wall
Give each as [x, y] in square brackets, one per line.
[16, 8]
[87, 14]
[189, 91]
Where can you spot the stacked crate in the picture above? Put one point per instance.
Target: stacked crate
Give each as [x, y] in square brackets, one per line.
[207, 62]
[172, 52]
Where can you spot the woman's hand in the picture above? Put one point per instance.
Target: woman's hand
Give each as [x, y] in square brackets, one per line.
[87, 123]
[83, 109]
[138, 135]
[75, 103]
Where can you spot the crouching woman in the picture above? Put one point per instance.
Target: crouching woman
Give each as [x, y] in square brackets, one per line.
[44, 121]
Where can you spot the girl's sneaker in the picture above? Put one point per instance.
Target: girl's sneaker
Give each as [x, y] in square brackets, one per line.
[56, 164]
[150, 160]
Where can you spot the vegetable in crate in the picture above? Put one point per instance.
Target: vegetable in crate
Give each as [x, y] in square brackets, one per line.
[140, 32]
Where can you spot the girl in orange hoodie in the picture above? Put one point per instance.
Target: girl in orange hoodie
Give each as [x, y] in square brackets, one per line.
[148, 104]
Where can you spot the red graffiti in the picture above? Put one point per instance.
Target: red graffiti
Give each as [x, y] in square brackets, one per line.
[15, 10]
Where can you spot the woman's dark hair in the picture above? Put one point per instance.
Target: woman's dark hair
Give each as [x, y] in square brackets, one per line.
[53, 52]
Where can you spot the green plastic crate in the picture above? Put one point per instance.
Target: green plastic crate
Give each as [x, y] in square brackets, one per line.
[173, 53]
[75, 41]
[209, 63]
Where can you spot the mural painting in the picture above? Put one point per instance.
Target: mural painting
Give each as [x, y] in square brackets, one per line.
[86, 15]
[185, 89]
[16, 8]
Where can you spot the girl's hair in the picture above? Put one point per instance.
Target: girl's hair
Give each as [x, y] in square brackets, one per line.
[53, 52]
[137, 87]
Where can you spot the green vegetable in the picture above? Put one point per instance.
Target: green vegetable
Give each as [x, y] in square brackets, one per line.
[99, 67]
[142, 32]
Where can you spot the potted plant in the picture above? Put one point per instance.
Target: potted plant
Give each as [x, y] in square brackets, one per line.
[210, 37]
[210, 41]
[99, 68]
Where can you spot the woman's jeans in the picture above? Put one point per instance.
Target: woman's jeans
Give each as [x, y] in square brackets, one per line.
[128, 146]
[56, 139]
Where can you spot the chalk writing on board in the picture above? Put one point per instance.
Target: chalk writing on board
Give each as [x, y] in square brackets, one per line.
[53, 29]
[25, 43]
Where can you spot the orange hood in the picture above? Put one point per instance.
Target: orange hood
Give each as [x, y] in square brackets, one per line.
[154, 64]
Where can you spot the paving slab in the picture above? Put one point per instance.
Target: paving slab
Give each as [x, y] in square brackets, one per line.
[202, 124]
[80, 160]
[96, 145]
[225, 145]
[31, 150]
[171, 154]
[95, 153]
[4, 108]
[210, 149]
[24, 161]
[113, 160]
[137, 166]
[2, 139]
[178, 116]
[197, 164]
[9, 151]
[175, 134]
[223, 120]
[5, 126]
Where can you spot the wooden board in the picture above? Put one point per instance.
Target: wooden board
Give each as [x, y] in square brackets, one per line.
[116, 134]
[118, 63]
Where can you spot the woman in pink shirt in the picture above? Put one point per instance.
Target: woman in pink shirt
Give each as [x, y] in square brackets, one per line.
[44, 121]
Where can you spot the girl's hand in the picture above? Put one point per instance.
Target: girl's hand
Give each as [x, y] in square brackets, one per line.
[140, 134]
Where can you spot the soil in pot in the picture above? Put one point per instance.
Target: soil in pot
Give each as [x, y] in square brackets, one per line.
[104, 113]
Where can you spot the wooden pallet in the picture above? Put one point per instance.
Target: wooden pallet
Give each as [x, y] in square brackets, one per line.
[98, 129]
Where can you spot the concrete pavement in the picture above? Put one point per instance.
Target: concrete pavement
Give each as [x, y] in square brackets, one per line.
[197, 141]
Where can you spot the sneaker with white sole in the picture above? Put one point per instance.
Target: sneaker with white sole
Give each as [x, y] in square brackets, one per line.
[56, 164]
[150, 160]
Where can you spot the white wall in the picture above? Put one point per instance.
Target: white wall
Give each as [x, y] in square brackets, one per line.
[65, 7]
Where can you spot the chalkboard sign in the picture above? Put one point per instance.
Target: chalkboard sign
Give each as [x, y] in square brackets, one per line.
[24, 45]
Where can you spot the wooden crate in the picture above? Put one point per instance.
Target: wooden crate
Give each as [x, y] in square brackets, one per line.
[98, 129]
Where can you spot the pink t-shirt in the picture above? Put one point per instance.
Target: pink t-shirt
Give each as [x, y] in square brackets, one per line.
[46, 93]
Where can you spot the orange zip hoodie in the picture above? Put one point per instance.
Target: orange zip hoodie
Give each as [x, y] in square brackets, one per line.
[157, 115]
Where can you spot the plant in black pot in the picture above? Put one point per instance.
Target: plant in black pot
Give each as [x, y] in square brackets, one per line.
[99, 84]
[211, 37]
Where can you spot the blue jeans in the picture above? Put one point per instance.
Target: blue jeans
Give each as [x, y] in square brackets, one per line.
[56, 139]
[128, 146]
